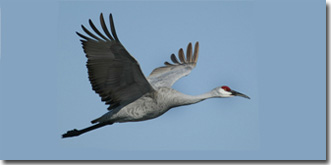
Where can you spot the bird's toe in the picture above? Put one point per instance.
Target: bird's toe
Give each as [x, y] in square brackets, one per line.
[71, 133]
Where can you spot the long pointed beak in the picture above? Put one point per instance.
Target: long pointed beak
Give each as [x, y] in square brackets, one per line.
[235, 93]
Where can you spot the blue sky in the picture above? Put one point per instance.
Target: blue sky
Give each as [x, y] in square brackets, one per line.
[276, 58]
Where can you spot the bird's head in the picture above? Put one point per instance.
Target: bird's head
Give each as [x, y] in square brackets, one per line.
[225, 91]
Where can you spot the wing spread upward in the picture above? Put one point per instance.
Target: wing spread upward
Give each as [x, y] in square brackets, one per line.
[114, 74]
[166, 76]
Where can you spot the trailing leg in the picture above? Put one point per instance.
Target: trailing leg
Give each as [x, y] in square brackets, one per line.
[76, 132]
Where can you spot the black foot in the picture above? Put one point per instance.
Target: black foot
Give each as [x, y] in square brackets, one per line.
[71, 133]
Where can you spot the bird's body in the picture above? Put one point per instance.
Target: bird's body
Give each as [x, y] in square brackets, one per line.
[116, 76]
[149, 106]
[152, 105]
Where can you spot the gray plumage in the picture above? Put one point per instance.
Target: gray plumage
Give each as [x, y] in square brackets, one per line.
[116, 76]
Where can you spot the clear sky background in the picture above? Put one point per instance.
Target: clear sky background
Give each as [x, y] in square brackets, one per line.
[272, 51]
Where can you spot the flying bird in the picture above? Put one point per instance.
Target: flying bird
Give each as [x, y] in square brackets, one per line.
[117, 77]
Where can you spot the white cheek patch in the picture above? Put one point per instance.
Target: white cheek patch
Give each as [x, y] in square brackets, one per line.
[224, 93]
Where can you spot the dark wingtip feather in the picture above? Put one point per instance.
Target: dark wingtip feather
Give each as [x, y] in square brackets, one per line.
[189, 53]
[174, 59]
[96, 30]
[82, 36]
[90, 34]
[189, 59]
[168, 64]
[196, 52]
[181, 55]
[104, 27]
[112, 27]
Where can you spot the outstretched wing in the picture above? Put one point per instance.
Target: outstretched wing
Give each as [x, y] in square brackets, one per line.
[167, 75]
[114, 74]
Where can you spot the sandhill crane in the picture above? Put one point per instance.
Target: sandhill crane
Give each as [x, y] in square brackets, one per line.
[116, 76]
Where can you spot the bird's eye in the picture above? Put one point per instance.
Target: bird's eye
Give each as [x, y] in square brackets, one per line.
[226, 88]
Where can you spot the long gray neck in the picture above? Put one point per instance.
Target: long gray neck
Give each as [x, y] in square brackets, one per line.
[183, 99]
